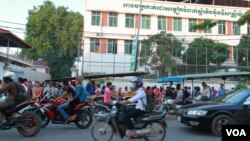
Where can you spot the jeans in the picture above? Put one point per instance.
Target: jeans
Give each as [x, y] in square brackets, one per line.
[61, 109]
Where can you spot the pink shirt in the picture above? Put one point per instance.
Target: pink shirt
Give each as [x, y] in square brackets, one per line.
[107, 95]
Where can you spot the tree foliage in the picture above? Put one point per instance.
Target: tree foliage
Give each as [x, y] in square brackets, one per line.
[207, 24]
[159, 52]
[199, 48]
[244, 18]
[54, 35]
[243, 51]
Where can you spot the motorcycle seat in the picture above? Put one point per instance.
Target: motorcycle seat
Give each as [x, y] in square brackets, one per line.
[78, 106]
[152, 115]
[104, 105]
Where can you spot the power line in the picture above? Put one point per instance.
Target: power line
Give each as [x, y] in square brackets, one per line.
[12, 22]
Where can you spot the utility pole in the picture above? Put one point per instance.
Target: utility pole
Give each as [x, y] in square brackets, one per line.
[137, 37]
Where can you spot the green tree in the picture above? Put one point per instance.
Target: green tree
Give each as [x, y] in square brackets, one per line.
[245, 18]
[53, 33]
[243, 51]
[205, 26]
[159, 52]
[202, 47]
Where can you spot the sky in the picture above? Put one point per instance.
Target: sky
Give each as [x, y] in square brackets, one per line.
[14, 13]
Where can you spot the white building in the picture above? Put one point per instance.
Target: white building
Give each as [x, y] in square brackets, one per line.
[110, 26]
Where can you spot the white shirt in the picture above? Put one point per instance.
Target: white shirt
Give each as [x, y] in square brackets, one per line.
[26, 89]
[140, 98]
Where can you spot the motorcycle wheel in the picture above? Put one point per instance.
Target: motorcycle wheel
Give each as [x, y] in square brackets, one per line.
[157, 132]
[84, 119]
[102, 131]
[30, 124]
[45, 121]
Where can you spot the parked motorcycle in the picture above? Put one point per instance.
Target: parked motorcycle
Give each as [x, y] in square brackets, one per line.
[149, 126]
[19, 115]
[82, 121]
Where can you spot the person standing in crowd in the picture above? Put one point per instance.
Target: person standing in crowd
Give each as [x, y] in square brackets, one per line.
[169, 93]
[214, 93]
[21, 81]
[179, 94]
[205, 94]
[107, 93]
[103, 89]
[221, 90]
[47, 86]
[37, 91]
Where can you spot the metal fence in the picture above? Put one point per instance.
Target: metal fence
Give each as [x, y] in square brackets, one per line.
[188, 61]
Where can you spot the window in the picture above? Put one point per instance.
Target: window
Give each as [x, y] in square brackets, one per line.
[112, 46]
[222, 27]
[177, 24]
[127, 46]
[129, 21]
[113, 18]
[248, 28]
[94, 45]
[145, 22]
[236, 28]
[96, 18]
[161, 23]
[192, 23]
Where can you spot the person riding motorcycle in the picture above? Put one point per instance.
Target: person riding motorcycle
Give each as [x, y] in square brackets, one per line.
[11, 93]
[69, 93]
[141, 100]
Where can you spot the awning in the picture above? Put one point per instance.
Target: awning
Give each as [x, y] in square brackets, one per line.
[8, 39]
[170, 79]
[101, 76]
[223, 75]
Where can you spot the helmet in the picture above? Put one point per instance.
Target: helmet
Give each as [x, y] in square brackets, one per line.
[9, 74]
[137, 80]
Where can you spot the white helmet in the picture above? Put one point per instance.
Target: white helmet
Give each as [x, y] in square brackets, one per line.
[10, 74]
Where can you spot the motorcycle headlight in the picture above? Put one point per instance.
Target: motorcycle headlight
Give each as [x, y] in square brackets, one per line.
[197, 112]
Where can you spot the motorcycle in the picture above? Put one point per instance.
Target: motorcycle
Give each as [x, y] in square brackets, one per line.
[149, 126]
[170, 106]
[82, 121]
[20, 116]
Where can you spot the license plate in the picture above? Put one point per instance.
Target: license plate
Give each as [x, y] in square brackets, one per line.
[179, 118]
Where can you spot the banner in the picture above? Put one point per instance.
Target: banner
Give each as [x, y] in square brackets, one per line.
[133, 58]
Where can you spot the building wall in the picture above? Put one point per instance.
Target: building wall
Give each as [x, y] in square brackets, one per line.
[104, 62]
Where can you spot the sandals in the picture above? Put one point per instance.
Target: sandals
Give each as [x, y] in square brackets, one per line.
[132, 134]
[71, 118]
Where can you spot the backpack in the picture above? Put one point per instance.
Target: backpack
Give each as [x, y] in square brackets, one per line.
[21, 94]
[149, 106]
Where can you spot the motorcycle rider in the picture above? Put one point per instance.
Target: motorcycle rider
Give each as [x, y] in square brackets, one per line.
[11, 92]
[69, 93]
[81, 95]
[141, 100]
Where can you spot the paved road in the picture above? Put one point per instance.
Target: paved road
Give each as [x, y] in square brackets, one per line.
[176, 132]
